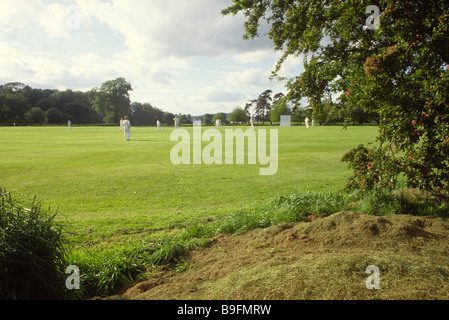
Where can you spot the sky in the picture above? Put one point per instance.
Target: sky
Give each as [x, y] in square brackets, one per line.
[182, 56]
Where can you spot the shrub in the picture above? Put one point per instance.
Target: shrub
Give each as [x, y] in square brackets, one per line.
[32, 251]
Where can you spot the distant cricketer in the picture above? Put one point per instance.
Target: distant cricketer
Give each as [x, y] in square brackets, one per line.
[126, 125]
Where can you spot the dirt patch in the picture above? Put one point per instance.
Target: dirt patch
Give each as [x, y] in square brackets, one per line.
[296, 261]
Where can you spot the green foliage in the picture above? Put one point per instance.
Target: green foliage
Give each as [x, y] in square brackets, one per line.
[398, 71]
[207, 119]
[279, 108]
[381, 202]
[368, 169]
[105, 272]
[17, 99]
[221, 116]
[53, 115]
[286, 208]
[35, 115]
[32, 251]
[263, 106]
[13, 103]
[407, 81]
[238, 115]
[185, 119]
[112, 100]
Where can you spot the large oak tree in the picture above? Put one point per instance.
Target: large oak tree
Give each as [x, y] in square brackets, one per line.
[396, 66]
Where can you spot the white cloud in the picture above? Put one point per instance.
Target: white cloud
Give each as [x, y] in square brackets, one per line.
[252, 77]
[292, 66]
[254, 56]
[56, 21]
[16, 14]
[214, 94]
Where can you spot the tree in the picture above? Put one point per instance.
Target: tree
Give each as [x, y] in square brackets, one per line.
[238, 115]
[35, 115]
[298, 113]
[248, 107]
[32, 95]
[263, 106]
[185, 119]
[112, 100]
[398, 69]
[144, 114]
[167, 118]
[55, 116]
[221, 116]
[337, 114]
[207, 119]
[359, 116]
[321, 111]
[279, 108]
[13, 103]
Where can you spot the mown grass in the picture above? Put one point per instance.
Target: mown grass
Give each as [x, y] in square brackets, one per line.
[112, 192]
[127, 208]
[105, 272]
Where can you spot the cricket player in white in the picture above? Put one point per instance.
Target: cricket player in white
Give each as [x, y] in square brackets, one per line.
[127, 128]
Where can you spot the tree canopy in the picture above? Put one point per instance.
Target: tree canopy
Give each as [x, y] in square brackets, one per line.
[238, 115]
[395, 65]
[22, 104]
[112, 100]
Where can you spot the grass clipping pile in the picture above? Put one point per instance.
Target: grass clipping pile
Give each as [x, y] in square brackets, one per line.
[325, 258]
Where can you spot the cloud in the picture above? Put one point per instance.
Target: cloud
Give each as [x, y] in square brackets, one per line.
[214, 94]
[254, 56]
[173, 27]
[252, 77]
[292, 66]
[55, 20]
[16, 14]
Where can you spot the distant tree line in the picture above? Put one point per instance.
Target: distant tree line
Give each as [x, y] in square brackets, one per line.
[270, 109]
[22, 104]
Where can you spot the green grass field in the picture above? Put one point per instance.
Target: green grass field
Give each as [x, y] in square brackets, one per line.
[112, 191]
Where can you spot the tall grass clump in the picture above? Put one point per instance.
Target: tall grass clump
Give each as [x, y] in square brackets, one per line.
[32, 251]
[285, 208]
[105, 272]
[382, 202]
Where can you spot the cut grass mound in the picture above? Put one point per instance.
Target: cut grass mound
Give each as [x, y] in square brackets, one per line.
[322, 259]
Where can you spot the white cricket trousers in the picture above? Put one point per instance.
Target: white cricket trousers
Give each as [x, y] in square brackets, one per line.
[127, 135]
